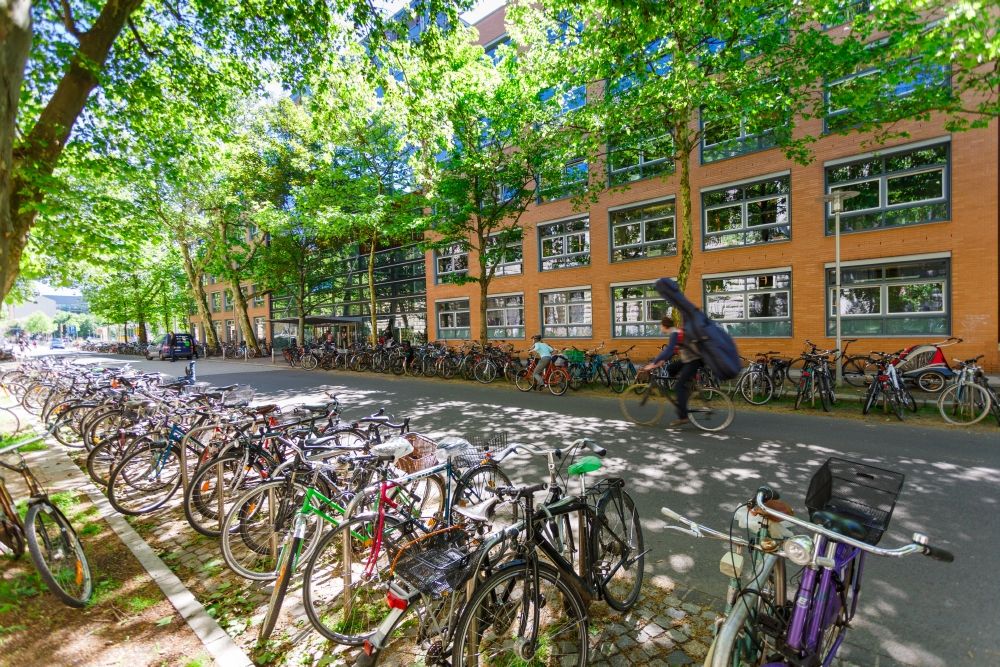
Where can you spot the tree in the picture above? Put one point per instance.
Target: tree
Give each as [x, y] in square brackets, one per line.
[501, 138]
[158, 63]
[38, 323]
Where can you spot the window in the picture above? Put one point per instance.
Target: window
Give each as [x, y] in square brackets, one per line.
[897, 188]
[906, 298]
[572, 181]
[505, 316]
[862, 95]
[452, 262]
[216, 302]
[231, 331]
[258, 326]
[638, 310]
[510, 263]
[565, 244]
[567, 314]
[217, 325]
[747, 214]
[643, 231]
[258, 297]
[453, 319]
[754, 305]
[639, 157]
[727, 137]
[569, 98]
[228, 299]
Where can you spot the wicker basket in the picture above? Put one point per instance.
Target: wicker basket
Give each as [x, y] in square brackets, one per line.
[422, 456]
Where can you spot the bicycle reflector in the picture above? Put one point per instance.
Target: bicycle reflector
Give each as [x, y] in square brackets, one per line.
[798, 549]
[396, 602]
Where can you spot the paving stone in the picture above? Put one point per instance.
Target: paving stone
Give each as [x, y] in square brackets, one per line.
[696, 649]
[709, 615]
[677, 636]
[679, 658]
[691, 608]
[676, 614]
[651, 630]
[625, 642]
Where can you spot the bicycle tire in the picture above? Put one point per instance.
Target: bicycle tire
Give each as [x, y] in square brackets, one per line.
[286, 565]
[871, 397]
[932, 382]
[805, 388]
[755, 387]
[858, 370]
[558, 381]
[138, 475]
[493, 611]
[323, 579]
[617, 504]
[472, 489]
[309, 362]
[825, 389]
[576, 376]
[618, 379]
[710, 409]
[106, 456]
[10, 423]
[524, 381]
[58, 554]
[642, 403]
[966, 408]
[906, 398]
[895, 402]
[200, 499]
[11, 529]
[485, 371]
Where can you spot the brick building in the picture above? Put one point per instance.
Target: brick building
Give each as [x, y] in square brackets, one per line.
[919, 247]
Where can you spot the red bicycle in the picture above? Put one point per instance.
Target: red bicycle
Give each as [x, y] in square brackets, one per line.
[555, 377]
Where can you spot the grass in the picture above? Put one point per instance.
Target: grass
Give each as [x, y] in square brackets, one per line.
[14, 590]
[140, 603]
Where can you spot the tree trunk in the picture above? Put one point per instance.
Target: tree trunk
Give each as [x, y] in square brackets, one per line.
[21, 193]
[371, 289]
[143, 336]
[301, 324]
[249, 335]
[684, 149]
[194, 276]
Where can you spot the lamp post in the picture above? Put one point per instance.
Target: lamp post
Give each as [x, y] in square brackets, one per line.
[836, 200]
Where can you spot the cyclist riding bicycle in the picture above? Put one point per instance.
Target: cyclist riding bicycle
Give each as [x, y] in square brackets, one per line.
[544, 352]
[685, 369]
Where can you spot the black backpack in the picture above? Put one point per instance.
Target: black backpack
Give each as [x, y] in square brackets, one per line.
[716, 347]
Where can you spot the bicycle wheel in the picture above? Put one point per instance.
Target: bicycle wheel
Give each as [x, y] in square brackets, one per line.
[755, 387]
[309, 362]
[617, 379]
[577, 373]
[871, 398]
[618, 549]
[286, 569]
[58, 554]
[34, 398]
[103, 458]
[906, 398]
[447, 369]
[805, 389]
[11, 533]
[145, 479]
[256, 525]
[524, 381]
[710, 409]
[642, 403]
[825, 389]
[344, 585]
[473, 488]
[859, 370]
[486, 371]
[202, 496]
[498, 625]
[964, 404]
[895, 402]
[10, 423]
[932, 382]
[558, 381]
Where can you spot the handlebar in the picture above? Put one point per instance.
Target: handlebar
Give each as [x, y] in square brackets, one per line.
[557, 453]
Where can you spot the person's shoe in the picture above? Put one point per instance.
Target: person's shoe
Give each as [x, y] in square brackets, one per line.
[677, 423]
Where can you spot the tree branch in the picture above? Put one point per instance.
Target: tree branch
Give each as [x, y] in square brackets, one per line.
[67, 18]
[138, 39]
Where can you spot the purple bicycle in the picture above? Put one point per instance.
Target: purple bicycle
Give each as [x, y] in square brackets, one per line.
[850, 505]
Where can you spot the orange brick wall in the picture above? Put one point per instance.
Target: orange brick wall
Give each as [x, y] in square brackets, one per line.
[971, 236]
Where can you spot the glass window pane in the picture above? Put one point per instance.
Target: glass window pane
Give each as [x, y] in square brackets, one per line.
[627, 234]
[772, 304]
[723, 219]
[861, 301]
[726, 307]
[915, 187]
[920, 298]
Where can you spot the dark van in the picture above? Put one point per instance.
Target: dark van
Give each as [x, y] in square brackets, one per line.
[183, 347]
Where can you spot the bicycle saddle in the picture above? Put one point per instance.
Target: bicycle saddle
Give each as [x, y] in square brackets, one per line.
[584, 465]
[844, 524]
[481, 513]
[396, 448]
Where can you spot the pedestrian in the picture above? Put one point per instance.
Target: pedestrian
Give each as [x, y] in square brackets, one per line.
[544, 352]
[172, 342]
[690, 362]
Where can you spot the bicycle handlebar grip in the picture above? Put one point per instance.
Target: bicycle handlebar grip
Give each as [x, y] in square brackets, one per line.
[939, 554]
[594, 447]
[768, 493]
[670, 514]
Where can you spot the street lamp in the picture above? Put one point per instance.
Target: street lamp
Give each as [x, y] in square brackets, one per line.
[836, 200]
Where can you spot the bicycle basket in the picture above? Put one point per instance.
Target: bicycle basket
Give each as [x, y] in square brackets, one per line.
[435, 563]
[480, 446]
[575, 356]
[197, 388]
[422, 456]
[865, 493]
[241, 394]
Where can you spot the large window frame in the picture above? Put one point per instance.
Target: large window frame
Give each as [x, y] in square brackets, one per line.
[645, 219]
[515, 249]
[567, 313]
[872, 174]
[880, 283]
[216, 302]
[749, 199]
[449, 262]
[735, 302]
[573, 180]
[636, 310]
[743, 142]
[641, 160]
[453, 318]
[505, 316]
[564, 244]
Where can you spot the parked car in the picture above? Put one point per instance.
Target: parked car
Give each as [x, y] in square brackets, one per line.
[183, 347]
[57, 344]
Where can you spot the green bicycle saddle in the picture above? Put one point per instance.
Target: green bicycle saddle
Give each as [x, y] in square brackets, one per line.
[585, 465]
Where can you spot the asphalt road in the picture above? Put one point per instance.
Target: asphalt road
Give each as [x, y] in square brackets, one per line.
[914, 611]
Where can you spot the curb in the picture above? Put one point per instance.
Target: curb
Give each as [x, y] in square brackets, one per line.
[216, 641]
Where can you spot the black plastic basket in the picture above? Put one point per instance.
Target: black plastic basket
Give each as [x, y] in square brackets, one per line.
[864, 493]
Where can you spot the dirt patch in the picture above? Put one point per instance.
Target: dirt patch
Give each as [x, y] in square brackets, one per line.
[129, 621]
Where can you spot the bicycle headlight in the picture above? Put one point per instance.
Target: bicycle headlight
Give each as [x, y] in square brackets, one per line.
[798, 549]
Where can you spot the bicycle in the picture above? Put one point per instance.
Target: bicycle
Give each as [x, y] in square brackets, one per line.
[816, 380]
[51, 541]
[850, 506]
[888, 386]
[556, 378]
[755, 383]
[966, 401]
[643, 403]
